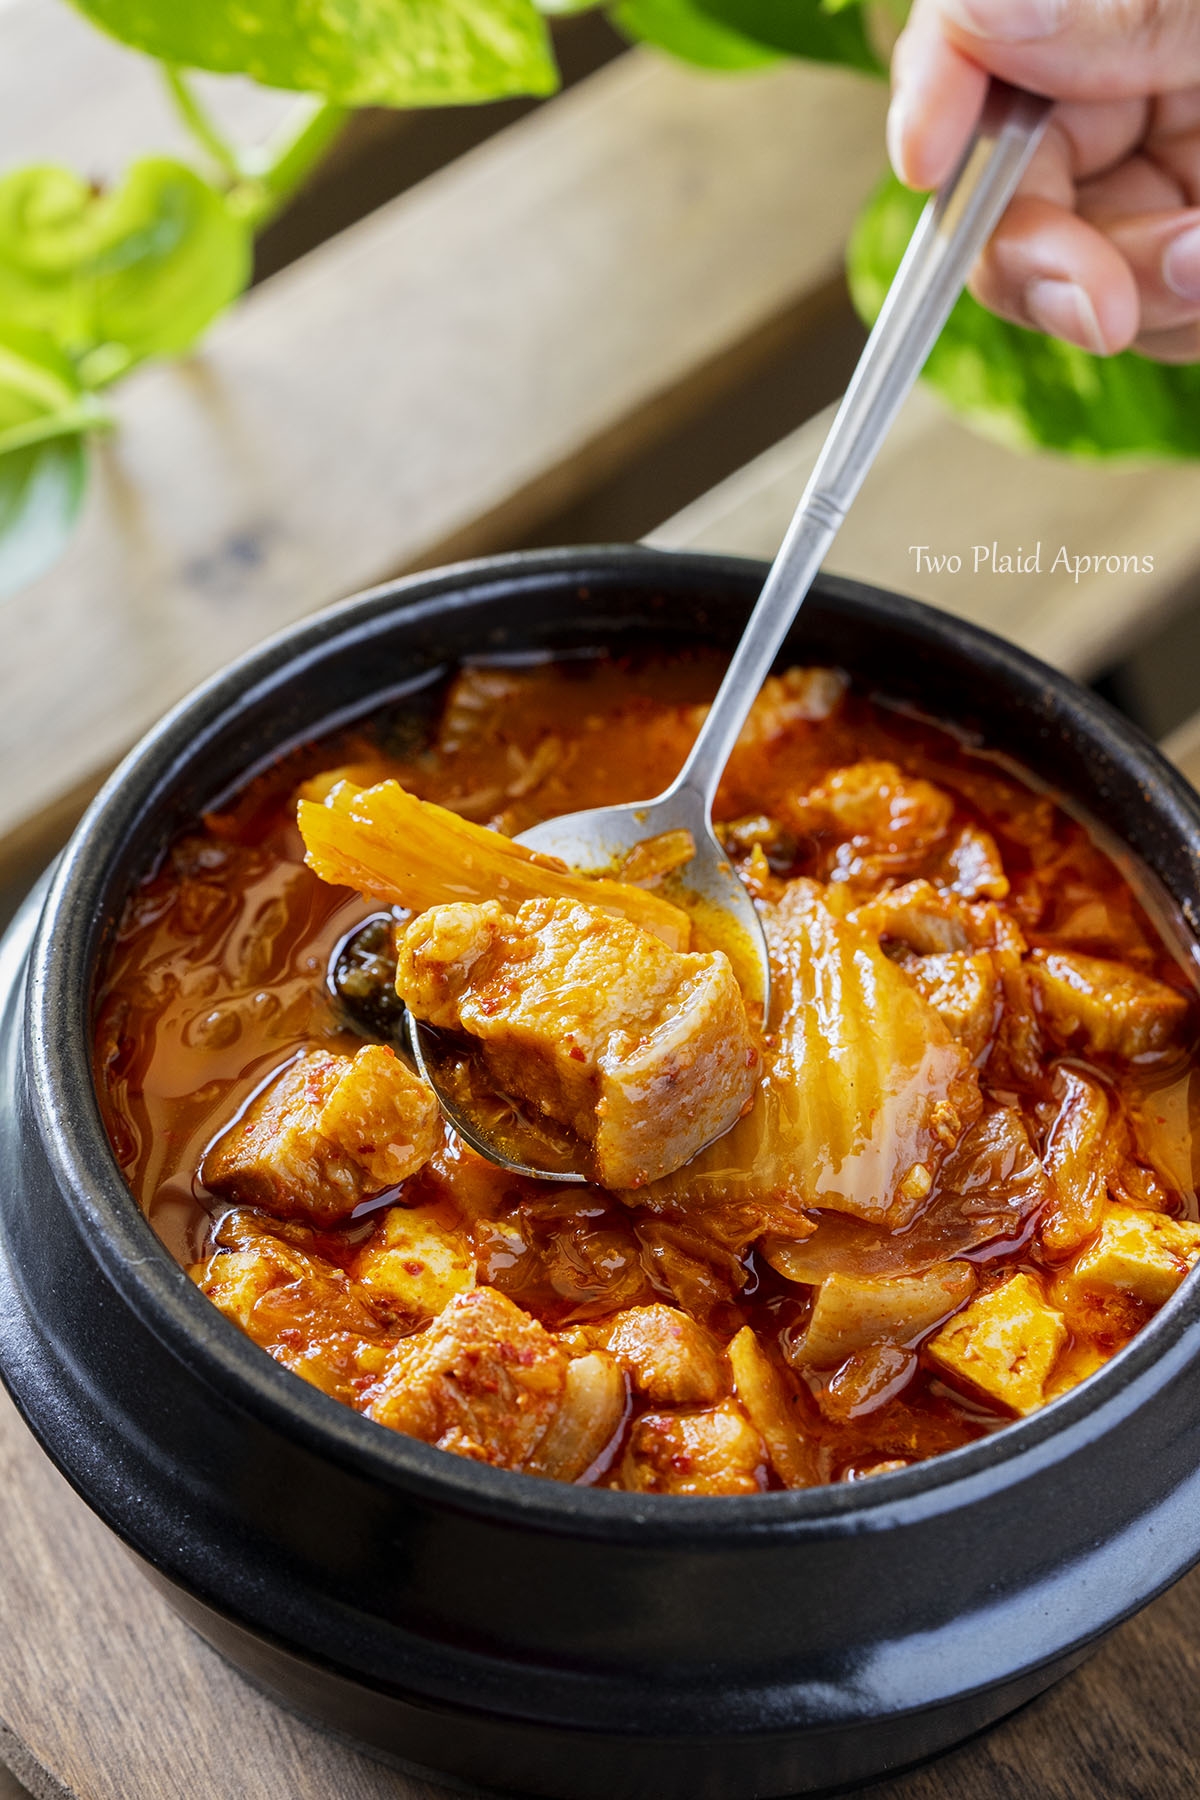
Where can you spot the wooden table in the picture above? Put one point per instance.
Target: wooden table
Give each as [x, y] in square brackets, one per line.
[529, 345]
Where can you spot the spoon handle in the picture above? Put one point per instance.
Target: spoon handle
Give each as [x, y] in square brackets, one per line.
[950, 234]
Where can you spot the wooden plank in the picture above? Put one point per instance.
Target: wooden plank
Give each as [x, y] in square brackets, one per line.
[1183, 747]
[104, 1695]
[938, 484]
[432, 381]
[71, 94]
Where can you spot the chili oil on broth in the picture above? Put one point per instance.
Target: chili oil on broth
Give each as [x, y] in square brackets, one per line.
[218, 978]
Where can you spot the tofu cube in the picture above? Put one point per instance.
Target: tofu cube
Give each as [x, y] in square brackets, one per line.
[1004, 1344]
[330, 1132]
[414, 1265]
[1142, 1254]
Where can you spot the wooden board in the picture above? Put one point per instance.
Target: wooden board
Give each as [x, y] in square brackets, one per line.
[105, 1695]
[1183, 747]
[432, 381]
[938, 484]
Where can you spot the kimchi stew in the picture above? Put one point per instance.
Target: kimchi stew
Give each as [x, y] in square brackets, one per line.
[943, 1182]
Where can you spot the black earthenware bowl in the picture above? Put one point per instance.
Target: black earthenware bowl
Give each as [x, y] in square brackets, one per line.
[516, 1633]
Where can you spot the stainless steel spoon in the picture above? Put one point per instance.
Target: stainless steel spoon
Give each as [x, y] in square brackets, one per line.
[950, 235]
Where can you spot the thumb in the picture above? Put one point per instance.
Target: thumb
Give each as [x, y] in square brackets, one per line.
[1079, 49]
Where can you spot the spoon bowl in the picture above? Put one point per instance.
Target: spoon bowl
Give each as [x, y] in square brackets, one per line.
[598, 841]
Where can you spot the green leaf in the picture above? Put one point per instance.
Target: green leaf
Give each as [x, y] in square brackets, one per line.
[832, 32]
[1023, 389]
[146, 266]
[678, 27]
[41, 481]
[356, 52]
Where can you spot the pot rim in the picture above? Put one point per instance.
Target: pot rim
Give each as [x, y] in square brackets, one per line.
[58, 1051]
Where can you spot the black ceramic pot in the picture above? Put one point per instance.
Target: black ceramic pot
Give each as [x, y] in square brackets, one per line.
[516, 1633]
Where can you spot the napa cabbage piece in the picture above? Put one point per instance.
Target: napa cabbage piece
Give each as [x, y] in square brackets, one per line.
[865, 1089]
[988, 1187]
[407, 852]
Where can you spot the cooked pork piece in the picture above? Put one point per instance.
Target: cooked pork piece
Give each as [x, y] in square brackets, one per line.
[717, 1452]
[972, 866]
[1108, 1006]
[328, 1133]
[963, 988]
[888, 822]
[484, 1380]
[931, 921]
[644, 1052]
[671, 1359]
[1080, 1154]
[300, 1308]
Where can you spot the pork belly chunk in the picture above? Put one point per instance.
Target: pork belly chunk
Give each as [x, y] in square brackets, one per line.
[330, 1132]
[484, 1380]
[670, 1358]
[714, 1452]
[302, 1310]
[1107, 1006]
[644, 1052]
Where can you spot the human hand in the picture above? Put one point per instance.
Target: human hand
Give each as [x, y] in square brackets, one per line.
[1101, 245]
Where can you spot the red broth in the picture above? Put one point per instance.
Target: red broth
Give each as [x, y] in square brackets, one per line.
[219, 975]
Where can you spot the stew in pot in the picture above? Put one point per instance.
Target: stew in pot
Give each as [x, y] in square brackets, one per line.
[944, 1181]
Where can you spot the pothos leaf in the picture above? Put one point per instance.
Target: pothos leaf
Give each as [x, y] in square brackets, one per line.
[146, 266]
[680, 28]
[832, 31]
[43, 466]
[355, 52]
[1025, 390]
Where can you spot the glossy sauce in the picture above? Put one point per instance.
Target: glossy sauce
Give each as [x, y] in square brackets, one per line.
[218, 976]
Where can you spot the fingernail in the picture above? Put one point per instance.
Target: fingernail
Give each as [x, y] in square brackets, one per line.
[1181, 264]
[897, 125]
[1008, 21]
[1062, 309]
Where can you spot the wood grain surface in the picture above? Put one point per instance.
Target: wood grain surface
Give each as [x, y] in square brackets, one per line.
[432, 381]
[938, 484]
[106, 1695]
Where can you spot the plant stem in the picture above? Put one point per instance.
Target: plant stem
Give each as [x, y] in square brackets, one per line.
[200, 122]
[274, 173]
[85, 416]
[262, 179]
